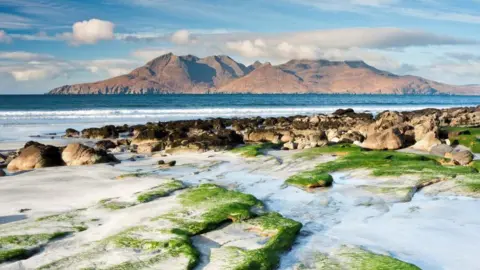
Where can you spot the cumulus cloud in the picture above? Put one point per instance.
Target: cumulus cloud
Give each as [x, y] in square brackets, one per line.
[248, 48]
[149, 53]
[4, 37]
[34, 74]
[90, 32]
[111, 67]
[24, 56]
[181, 37]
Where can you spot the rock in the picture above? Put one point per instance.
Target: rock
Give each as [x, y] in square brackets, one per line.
[153, 134]
[124, 142]
[172, 163]
[441, 150]
[72, 133]
[3, 158]
[388, 119]
[105, 145]
[343, 111]
[390, 139]
[423, 125]
[35, 155]
[2, 173]
[351, 137]
[78, 154]
[261, 135]
[161, 162]
[462, 157]
[106, 132]
[148, 148]
[427, 142]
[466, 120]
[290, 146]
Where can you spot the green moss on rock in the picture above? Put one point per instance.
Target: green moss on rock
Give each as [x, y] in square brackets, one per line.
[310, 179]
[253, 150]
[207, 206]
[466, 137]
[160, 191]
[360, 259]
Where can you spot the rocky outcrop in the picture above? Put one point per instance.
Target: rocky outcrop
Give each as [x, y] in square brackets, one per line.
[171, 74]
[106, 132]
[388, 139]
[78, 154]
[35, 155]
[72, 133]
[427, 142]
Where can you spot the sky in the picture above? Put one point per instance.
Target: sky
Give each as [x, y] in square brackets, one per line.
[49, 43]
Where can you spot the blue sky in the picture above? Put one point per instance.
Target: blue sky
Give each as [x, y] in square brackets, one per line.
[48, 43]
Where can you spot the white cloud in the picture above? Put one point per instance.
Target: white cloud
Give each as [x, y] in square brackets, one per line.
[149, 53]
[4, 37]
[181, 37]
[24, 56]
[34, 74]
[111, 67]
[91, 31]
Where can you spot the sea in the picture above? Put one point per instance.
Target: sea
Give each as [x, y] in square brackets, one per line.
[23, 116]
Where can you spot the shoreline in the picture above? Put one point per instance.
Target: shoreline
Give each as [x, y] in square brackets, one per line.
[377, 217]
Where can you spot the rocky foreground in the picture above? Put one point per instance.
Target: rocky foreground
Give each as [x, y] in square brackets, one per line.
[341, 191]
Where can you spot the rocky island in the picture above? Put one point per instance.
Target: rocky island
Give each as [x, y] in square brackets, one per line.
[342, 191]
[172, 74]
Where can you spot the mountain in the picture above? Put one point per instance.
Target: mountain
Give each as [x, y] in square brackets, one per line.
[169, 74]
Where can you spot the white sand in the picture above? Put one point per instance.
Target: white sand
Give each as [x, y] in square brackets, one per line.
[433, 232]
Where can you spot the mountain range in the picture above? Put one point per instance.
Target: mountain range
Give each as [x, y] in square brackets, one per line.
[171, 74]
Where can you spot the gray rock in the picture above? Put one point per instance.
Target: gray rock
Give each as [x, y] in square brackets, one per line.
[463, 157]
[441, 150]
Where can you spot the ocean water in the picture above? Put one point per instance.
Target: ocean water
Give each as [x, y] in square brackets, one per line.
[25, 115]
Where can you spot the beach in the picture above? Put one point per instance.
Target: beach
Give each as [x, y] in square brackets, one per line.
[233, 190]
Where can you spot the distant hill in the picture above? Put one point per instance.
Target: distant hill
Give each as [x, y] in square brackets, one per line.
[171, 74]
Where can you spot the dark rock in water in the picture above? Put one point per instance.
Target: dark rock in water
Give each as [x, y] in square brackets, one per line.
[124, 142]
[78, 154]
[2, 173]
[105, 145]
[122, 129]
[23, 210]
[343, 111]
[463, 157]
[161, 162]
[106, 132]
[172, 163]
[150, 134]
[441, 150]
[36, 155]
[72, 133]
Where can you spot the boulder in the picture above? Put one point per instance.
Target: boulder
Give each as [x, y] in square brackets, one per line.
[466, 120]
[150, 135]
[424, 125]
[148, 148]
[76, 154]
[72, 133]
[390, 139]
[290, 146]
[351, 137]
[388, 119]
[462, 157]
[441, 150]
[427, 142]
[343, 111]
[105, 145]
[35, 155]
[106, 132]
[261, 135]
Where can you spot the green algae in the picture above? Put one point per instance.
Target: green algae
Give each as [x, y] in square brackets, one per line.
[336, 149]
[154, 245]
[310, 179]
[364, 260]
[208, 205]
[389, 163]
[253, 150]
[114, 205]
[13, 254]
[160, 191]
[469, 139]
[281, 233]
[68, 216]
[15, 247]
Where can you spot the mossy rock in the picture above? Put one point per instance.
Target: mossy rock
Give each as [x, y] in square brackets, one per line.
[281, 233]
[17, 247]
[354, 258]
[153, 249]
[310, 179]
[205, 207]
[467, 137]
[162, 190]
[390, 163]
[254, 150]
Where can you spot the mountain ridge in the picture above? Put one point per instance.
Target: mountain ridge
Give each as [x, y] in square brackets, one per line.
[188, 74]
